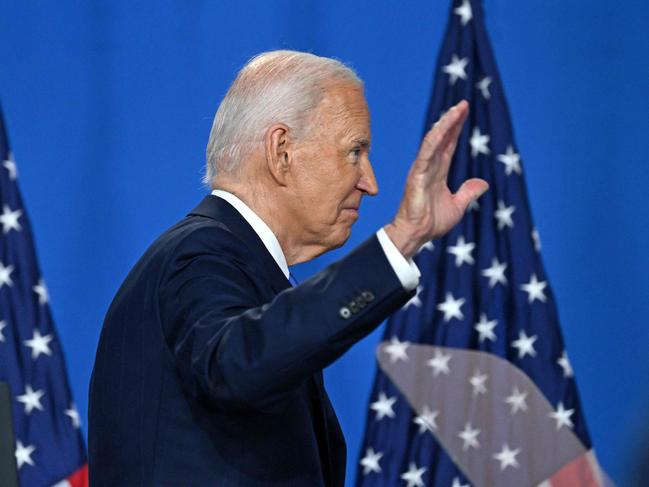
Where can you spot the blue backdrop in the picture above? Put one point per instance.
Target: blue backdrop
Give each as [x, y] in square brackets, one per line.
[109, 105]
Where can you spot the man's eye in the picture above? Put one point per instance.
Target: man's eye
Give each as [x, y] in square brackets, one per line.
[355, 154]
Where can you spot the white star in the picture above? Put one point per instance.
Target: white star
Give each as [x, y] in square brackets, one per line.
[507, 457]
[462, 251]
[413, 476]
[9, 219]
[439, 363]
[370, 462]
[39, 344]
[427, 246]
[537, 239]
[10, 165]
[504, 215]
[426, 420]
[563, 362]
[451, 308]
[517, 401]
[486, 328]
[73, 414]
[5, 275]
[495, 273]
[465, 12]
[534, 289]
[525, 344]
[477, 381]
[31, 399]
[456, 69]
[479, 143]
[397, 350]
[562, 416]
[470, 437]
[24, 454]
[415, 300]
[3, 325]
[474, 205]
[483, 86]
[41, 290]
[383, 406]
[457, 483]
[511, 160]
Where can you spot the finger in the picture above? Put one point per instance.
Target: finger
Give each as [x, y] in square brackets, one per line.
[440, 131]
[449, 144]
[440, 161]
[470, 191]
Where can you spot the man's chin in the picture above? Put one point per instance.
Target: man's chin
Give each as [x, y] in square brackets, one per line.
[341, 239]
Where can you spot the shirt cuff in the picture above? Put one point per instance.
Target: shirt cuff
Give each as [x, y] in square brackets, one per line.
[406, 270]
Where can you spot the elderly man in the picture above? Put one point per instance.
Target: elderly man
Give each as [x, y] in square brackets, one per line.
[209, 367]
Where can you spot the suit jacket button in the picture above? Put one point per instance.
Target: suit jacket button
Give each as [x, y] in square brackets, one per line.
[368, 296]
[344, 312]
[353, 307]
[360, 302]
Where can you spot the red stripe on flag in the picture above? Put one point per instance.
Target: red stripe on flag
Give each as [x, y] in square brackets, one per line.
[578, 473]
[79, 478]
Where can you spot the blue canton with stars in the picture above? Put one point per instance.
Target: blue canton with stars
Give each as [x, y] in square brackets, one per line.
[483, 285]
[49, 447]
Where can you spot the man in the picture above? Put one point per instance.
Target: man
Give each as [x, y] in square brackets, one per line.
[209, 366]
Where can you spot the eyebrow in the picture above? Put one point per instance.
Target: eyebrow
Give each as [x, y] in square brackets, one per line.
[362, 141]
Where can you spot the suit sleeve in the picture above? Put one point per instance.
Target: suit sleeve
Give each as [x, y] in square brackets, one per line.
[242, 355]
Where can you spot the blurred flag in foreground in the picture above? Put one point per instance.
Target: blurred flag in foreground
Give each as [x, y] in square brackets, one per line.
[475, 386]
[49, 447]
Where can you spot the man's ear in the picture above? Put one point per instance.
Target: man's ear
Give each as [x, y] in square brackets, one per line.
[277, 143]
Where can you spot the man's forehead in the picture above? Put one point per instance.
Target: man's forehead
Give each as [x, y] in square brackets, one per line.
[344, 97]
[346, 105]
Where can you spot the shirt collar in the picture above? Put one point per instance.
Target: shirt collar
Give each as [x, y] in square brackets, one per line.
[265, 233]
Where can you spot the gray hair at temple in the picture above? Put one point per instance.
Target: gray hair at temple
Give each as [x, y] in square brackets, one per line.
[273, 87]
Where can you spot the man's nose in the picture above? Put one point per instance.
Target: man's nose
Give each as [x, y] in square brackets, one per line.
[367, 182]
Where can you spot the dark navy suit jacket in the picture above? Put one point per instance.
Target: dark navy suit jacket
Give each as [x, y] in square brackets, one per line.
[209, 365]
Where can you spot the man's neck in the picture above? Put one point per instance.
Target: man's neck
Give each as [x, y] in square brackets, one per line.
[273, 215]
[260, 227]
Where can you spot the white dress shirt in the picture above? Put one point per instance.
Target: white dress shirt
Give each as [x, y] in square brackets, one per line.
[405, 269]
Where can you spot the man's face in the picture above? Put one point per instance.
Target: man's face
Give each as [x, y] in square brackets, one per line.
[332, 168]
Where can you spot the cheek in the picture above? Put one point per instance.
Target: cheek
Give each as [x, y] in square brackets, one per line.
[324, 188]
[307, 188]
[317, 203]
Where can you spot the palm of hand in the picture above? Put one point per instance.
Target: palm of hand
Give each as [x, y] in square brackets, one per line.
[428, 209]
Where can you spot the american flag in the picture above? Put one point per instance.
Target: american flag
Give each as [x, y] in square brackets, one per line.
[475, 386]
[49, 447]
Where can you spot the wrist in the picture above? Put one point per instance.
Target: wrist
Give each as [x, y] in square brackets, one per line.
[402, 240]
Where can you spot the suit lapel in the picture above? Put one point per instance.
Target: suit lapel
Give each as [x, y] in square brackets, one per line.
[220, 210]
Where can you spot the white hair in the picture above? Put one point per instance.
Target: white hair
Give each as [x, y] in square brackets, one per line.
[273, 87]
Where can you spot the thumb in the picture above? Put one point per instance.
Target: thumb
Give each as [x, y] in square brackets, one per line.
[470, 191]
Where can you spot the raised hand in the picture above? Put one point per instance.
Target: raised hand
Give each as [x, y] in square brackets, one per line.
[428, 209]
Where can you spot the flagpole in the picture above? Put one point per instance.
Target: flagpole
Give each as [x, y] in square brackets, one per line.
[8, 472]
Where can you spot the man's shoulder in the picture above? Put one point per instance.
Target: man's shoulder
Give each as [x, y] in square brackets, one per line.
[202, 231]
[199, 234]
[213, 235]
[194, 238]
